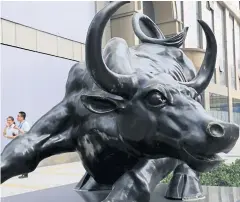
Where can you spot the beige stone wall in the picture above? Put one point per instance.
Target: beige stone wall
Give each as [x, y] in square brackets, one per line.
[166, 17]
[21, 36]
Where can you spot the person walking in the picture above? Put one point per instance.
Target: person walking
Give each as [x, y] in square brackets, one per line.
[22, 128]
[9, 131]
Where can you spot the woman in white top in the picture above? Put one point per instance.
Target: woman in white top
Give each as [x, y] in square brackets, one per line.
[9, 131]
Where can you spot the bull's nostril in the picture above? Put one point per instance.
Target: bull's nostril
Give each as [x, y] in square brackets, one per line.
[215, 130]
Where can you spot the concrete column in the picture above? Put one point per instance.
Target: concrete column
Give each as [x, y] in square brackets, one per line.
[121, 22]
[196, 55]
[165, 17]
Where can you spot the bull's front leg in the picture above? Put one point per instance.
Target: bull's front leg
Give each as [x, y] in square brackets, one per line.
[137, 184]
[49, 136]
[185, 184]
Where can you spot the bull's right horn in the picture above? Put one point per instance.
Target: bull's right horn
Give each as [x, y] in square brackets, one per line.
[123, 85]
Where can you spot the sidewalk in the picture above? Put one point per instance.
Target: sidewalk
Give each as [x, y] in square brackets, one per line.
[43, 178]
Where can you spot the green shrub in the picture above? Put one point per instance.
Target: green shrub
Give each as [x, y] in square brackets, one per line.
[224, 175]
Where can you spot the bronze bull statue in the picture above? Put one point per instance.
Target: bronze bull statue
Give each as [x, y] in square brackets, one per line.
[133, 115]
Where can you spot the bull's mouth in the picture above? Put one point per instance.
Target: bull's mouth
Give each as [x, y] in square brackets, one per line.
[201, 157]
[201, 162]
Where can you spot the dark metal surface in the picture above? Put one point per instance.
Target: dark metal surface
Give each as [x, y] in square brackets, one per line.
[133, 115]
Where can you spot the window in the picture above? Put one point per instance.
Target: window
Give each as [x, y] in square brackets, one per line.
[178, 5]
[209, 5]
[219, 107]
[211, 10]
[180, 14]
[231, 51]
[199, 16]
[237, 49]
[236, 111]
[213, 80]
[219, 28]
[208, 16]
[190, 20]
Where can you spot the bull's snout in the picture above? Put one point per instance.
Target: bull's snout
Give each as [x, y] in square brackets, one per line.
[215, 130]
[225, 136]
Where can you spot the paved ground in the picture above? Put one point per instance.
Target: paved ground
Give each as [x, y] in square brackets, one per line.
[44, 177]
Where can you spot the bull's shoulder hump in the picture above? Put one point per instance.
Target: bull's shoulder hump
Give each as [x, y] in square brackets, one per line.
[78, 78]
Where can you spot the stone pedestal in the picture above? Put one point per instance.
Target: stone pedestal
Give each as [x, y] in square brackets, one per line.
[67, 193]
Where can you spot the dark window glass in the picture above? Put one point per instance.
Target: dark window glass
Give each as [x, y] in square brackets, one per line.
[219, 30]
[219, 107]
[236, 111]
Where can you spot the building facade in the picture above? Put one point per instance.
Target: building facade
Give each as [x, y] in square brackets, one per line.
[42, 40]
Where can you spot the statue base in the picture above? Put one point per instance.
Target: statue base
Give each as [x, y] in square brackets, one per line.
[66, 193]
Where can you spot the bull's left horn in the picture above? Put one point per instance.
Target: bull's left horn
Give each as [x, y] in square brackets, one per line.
[203, 78]
[123, 85]
[142, 24]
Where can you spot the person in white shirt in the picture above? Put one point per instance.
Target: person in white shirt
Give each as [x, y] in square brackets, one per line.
[9, 131]
[22, 128]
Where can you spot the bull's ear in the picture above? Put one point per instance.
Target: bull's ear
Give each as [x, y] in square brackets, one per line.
[100, 105]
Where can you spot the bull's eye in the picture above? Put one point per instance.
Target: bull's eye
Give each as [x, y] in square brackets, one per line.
[155, 98]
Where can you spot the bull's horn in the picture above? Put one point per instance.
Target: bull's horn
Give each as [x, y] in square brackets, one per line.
[123, 85]
[203, 78]
[147, 31]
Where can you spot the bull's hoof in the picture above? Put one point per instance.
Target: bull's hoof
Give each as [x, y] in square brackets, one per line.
[185, 185]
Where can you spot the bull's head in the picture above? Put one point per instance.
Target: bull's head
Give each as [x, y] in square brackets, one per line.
[159, 115]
